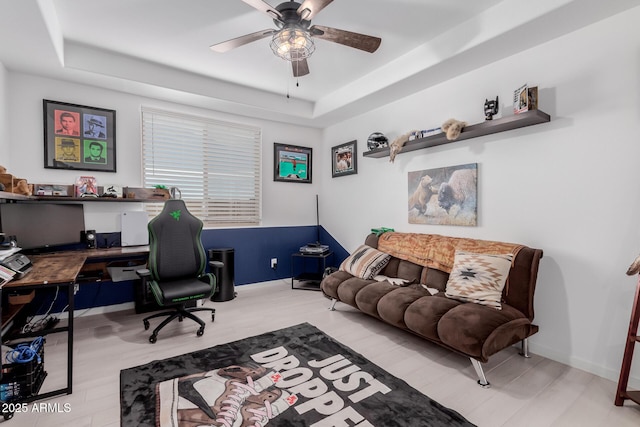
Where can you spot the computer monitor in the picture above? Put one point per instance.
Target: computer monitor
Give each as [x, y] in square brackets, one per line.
[42, 225]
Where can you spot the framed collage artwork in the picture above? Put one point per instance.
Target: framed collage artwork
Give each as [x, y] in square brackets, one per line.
[79, 137]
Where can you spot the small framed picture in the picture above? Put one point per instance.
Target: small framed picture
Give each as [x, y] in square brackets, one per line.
[79, 137]
[344, 159]
[292, 163]
[520, 100]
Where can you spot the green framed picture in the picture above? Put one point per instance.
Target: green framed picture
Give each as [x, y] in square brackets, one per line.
[292, 163]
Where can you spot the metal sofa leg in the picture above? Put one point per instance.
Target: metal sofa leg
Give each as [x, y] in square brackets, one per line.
[525, 348]
[482, 380]
[333, 304]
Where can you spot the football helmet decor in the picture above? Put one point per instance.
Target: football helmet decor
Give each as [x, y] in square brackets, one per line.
[377, 140]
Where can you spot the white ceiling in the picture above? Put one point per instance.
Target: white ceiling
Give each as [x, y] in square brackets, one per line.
[160, 48]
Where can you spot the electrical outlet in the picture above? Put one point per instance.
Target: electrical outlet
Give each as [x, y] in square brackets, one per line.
[274, 263]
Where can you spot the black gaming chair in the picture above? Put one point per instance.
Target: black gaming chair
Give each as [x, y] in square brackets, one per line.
[177, 262]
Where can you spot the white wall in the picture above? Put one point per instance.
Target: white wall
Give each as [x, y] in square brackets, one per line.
[287, 204]
[569, 187]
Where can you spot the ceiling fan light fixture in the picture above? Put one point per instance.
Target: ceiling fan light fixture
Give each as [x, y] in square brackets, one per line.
[292, 43]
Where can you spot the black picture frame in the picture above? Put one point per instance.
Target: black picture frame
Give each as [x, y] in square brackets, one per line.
[344, 159]
[292, 163]
[79, 137]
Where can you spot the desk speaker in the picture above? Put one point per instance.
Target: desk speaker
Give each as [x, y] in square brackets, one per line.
[8, 242]
[90, 238]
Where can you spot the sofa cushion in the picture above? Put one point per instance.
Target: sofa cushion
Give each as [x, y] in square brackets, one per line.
[479, 278]
[423, 315]
[479, 331]
[393, 305]
[368, 297]
[365, 262]
[331, 282]
[435, 278]
[348, 290]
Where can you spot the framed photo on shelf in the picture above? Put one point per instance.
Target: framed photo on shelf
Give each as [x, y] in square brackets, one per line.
[79, 137]
[520, 99]
[344, 159]
[292, 163]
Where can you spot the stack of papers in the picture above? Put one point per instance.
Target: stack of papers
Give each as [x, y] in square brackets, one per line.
[8, 252]
[6, 275]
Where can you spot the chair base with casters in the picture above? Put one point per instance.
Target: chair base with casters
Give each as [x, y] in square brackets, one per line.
[176, 296]
[180, 312]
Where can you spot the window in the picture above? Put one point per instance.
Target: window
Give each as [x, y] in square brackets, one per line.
[215, 165]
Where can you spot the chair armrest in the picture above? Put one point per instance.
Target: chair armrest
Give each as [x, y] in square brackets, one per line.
[216, 264]
[143, 272]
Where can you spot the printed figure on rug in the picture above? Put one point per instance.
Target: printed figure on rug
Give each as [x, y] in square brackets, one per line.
[252, 394]
[296, 376]
[238, 396]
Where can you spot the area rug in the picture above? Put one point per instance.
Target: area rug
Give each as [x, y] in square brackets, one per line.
[297, 376]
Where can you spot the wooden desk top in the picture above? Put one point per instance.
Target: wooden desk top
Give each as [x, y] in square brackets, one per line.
[51, 268]
[64, 267]
[114, 252]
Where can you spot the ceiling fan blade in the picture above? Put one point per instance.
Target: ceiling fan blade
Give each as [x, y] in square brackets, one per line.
[310, 8]
[356, 40]
[241, 41]
[300, 68]
[264, 7]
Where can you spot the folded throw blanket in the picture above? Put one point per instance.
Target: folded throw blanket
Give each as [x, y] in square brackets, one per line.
[435, 251]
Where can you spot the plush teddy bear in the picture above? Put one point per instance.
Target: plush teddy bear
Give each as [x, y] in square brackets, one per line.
[452, 128]
[22, 188]
[398, 143]
[15, 185]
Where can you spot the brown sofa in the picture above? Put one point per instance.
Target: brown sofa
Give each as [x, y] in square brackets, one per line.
[473, 330]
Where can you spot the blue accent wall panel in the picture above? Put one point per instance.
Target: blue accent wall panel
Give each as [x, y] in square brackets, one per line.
[254, 248]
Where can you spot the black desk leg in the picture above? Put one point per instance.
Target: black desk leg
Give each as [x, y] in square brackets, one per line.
[71, 302]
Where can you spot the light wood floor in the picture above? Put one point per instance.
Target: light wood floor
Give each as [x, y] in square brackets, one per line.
[525, 392]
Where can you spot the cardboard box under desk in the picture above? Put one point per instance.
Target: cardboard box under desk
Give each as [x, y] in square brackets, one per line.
[20, 298]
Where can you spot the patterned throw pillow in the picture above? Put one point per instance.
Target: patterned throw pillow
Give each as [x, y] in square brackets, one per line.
[365, 262]
[479, 278]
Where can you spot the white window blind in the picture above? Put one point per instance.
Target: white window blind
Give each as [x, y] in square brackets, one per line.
[215, 165]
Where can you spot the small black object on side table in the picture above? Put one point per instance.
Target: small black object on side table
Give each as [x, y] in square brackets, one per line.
[309, 279]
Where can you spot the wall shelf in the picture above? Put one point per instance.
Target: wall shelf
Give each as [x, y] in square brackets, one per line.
[66, 199]
[487, 127]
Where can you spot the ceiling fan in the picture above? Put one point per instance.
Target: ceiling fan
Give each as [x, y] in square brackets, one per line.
[292, 40]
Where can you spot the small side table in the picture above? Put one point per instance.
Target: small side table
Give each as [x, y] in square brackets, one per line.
[308, 278]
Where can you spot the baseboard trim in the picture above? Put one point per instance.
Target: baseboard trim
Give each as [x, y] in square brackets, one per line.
[599, 370]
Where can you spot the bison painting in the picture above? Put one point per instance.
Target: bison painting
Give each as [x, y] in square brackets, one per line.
[444, 195]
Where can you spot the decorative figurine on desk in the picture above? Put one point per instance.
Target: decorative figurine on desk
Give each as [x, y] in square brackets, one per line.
[490, 108]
